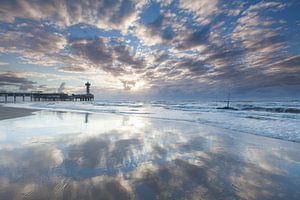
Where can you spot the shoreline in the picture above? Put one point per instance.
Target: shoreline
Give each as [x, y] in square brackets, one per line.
[13, 112]
[192, 156]
[28, 110]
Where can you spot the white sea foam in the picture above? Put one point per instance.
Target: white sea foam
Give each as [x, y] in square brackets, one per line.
[272, 119]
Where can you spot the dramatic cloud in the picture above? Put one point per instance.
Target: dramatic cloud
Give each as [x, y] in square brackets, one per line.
[12, 79]
[33, 42]
[164, 47]
[104, 14]
[114, 58]
[128, 84]
[201, 9]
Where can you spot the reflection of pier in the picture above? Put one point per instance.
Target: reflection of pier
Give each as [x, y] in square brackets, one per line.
[86, 120]
[39, 96]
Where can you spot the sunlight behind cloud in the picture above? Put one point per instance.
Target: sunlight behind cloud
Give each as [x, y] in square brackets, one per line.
[139, 86]
[125, 47]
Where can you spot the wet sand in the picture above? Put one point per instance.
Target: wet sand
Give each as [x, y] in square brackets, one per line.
[12, 112]
[105, 156]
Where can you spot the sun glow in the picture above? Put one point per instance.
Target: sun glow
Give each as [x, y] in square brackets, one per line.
[139, 85]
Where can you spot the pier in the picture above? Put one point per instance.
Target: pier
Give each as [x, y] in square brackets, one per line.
[40, 96]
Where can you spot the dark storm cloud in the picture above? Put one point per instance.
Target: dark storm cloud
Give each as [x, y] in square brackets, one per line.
[12, 79]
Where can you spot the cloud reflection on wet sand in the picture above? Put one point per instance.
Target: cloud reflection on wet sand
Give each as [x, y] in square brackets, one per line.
[140, 158]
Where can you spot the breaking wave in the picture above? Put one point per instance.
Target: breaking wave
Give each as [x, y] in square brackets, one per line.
[275, 110]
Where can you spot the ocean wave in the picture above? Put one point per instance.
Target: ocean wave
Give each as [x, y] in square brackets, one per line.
[119, 105]
[261, 122]
[275, 110]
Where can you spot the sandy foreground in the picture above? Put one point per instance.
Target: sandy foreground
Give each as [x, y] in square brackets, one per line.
[68, 155]
[11, 112]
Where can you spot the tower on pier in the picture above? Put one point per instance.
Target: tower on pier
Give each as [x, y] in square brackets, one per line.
[87, 87]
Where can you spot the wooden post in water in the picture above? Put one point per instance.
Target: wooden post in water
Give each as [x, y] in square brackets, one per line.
[228, 100]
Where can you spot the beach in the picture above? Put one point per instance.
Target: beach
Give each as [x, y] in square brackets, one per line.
[64, 154]
[11, 112]
[149, 100]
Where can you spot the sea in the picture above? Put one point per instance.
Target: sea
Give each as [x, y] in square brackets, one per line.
[274, 119]
[152, 150]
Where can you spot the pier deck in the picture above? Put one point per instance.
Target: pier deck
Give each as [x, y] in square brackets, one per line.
[46, 96]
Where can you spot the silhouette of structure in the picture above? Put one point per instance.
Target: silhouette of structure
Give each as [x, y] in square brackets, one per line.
[227, 107]
[40, 96]
[87, 87]
[86, 120]
[228, 100]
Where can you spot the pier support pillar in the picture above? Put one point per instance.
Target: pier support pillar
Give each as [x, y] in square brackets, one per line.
[23, 98]
[6, 98]
[15, 98]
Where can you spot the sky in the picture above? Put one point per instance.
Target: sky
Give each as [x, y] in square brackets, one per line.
[139, 49]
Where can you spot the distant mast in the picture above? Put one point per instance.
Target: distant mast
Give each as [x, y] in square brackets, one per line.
[87, 87]
[228, 100]
[227, 107]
